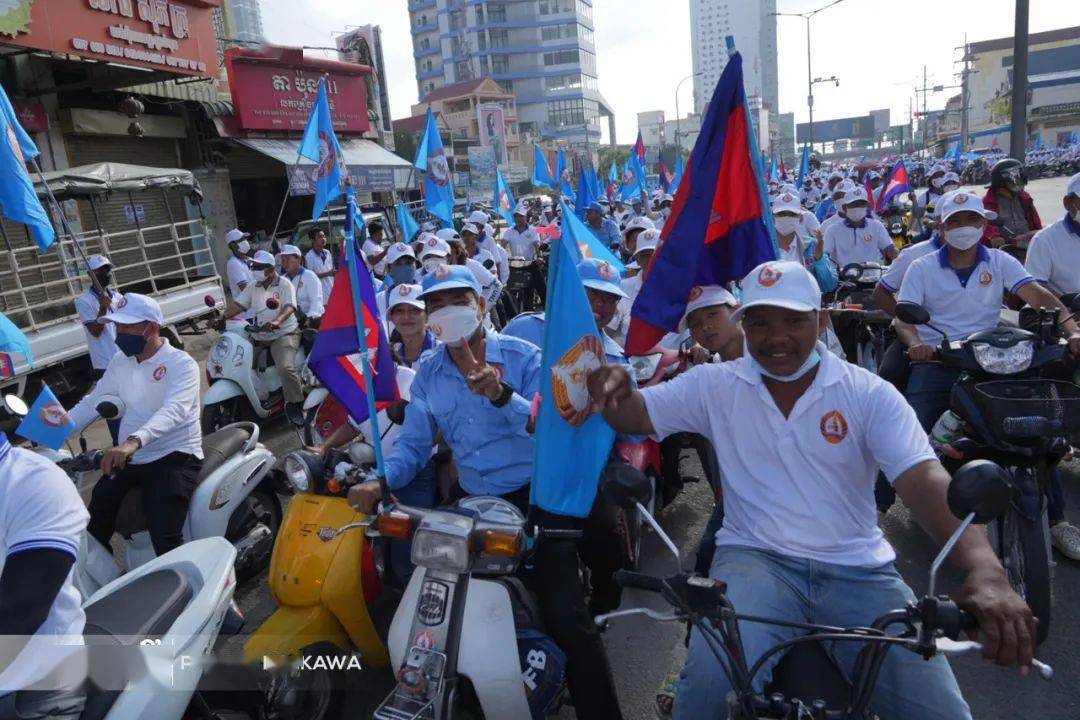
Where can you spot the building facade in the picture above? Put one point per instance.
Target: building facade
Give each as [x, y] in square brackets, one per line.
[243, 19]
[543, 53]
[364, 47]
[651, 125]
[753, 27]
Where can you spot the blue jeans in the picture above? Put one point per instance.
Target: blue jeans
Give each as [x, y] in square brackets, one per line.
[418, 493]
[928, 391]
[769, 584]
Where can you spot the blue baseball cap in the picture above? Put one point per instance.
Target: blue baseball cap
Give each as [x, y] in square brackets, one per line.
[595, 206]
[449, 277]
[600, 275]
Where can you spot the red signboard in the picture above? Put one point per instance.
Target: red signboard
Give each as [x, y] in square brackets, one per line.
[275, 89]
[31, 115]
[172, 35]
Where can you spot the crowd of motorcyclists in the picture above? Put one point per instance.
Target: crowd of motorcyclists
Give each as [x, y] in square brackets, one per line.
[799, 437]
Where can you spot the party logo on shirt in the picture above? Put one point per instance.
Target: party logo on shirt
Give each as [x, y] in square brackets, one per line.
[868, 238]
[121, 303]
[500, 371]
[834, 427]
[985, 277]
[769, 276]
[568, 379]
[159, 372]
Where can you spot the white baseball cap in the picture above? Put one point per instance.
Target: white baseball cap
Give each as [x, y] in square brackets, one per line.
[428, 227]
[470, 228]
[702, 296]
[448, 235]
[235, 235]
[98, 261]
[521, 209]
[435, 245]
[1073, 188]
[961, 201]
[855, 194]
[639, 223]
[398, 251]
[406, 295]
[478, 217]
[647, 240]
[263, 258]
[785, 284]
[290, 250]
[786, 202]
[134, 308]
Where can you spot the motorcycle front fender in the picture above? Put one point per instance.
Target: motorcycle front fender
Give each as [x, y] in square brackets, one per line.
[291, 629]
[222, 390]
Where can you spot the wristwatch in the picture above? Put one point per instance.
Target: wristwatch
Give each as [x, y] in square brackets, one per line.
[504, 396]
[137, 441]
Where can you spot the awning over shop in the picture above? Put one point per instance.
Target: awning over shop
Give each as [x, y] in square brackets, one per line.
[102, 178]
[372, 167]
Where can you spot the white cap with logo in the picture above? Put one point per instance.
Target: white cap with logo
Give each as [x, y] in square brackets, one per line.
[647, 240]
[786, 202]
[98, 261]
[702, 296]
[289, 250]
[398, 251]
[134, 308]
[435, 245]
[478, 218]
[961, 201]
[1073, 188]
[784, 284]
[235, 235]
[854, 195]
[406, 295]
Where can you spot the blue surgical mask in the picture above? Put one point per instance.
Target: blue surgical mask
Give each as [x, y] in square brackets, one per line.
[403, 274]
[130, 344]
[811, 362]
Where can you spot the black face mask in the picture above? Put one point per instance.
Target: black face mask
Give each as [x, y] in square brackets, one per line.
[103, 277]
[130, 344]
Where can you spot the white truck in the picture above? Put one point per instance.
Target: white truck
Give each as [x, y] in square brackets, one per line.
[147, 221]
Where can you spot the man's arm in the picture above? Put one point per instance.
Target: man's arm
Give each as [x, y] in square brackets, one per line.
[28, 587]
[612, 390]
[85, 411]
[1006, 624]
[181, 393]
[412, 449]
[884, 300]
[1037, 296]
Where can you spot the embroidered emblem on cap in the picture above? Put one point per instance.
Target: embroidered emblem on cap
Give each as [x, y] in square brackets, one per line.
[769, 276]
[121, 303]
[404, 291]
[695, 293]
[442, 272]
[960, 199]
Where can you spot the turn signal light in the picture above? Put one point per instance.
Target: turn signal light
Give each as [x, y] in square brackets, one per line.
[333, 485]
[395, 525]
[502, 543]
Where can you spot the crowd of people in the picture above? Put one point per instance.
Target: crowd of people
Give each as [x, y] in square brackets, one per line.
[801, 434]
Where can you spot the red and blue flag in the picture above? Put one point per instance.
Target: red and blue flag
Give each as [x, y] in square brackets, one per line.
[335, 357]
[665, 176]
[716, 232]
[639, 148]
[896, 183]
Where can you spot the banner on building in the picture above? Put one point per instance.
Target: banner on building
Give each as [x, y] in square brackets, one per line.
[493, 130]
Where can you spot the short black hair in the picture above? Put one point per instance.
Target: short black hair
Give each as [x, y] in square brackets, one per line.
[313, 232]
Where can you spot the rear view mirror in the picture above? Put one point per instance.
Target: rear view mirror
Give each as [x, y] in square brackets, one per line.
[625, 485]
[15, 405]
[912, 313]
[981, 487]
[110, 407]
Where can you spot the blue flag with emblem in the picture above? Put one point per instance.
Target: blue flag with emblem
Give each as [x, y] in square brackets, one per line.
[573, 441]
[438, 185]
[18, 201]
[633, 179]
[541, 172]
[563, 174]
[48, 422]
[406, 223]
[503, 202]
[585, 195]
[804, 165]
[320, 145]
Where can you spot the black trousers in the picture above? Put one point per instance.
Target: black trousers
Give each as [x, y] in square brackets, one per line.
[166, 483]
[895, 367]
[554, 578]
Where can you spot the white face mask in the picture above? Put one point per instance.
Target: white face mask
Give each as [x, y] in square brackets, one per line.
[454, 324]
[1076, 217]
[935, 182]
[963, 238]
[949, 188]
[786, 225]
[856, 214]
[430, 263]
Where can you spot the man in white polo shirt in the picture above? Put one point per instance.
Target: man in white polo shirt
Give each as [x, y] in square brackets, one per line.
[320, 261]
[42, 519]
[858, 238]
[1053, 258]
[162, 450]
[100, 337]
[310, 302]
[800, 436]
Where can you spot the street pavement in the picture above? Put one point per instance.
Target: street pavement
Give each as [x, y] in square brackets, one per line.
[643, 652]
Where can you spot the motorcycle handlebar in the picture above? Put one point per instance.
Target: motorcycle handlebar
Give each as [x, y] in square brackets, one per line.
[641, 581]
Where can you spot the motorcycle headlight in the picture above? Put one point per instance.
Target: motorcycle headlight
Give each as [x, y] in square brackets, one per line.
[297, 472]
[870, 275]
[644, 366]
[1004, 361]
[442, 543]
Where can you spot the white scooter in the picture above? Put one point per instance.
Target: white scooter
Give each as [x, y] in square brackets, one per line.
[244, 382]
[323, 414]
[236, 498]
[150, 634]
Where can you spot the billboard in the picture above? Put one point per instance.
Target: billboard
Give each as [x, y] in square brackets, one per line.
[172, 35]
[831, 130]
[481, 172]
[493, 130]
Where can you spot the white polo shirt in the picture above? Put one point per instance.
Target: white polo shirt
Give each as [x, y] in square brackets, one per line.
[309, 297]
[40, 509]
[254, 298]
[808, 224]
[802, 485]
[238, 273]
[867, 244]
[894, 274]
[1053, 257]
[320, 263]
[961, 307]
[831, 220]
[102, 347]
[161, 399]
[522, 244]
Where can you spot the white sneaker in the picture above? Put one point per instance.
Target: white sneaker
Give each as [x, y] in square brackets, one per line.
[1066, 538]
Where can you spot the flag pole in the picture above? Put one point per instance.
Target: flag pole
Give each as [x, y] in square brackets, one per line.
[361, 332]
[65, 227]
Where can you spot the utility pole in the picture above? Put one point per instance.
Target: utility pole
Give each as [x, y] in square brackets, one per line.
[1018, 126]
[965, 94]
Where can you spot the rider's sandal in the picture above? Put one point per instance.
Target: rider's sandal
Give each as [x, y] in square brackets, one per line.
[665, 697]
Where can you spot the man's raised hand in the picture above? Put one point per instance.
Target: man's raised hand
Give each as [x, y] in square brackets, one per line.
[609, 385]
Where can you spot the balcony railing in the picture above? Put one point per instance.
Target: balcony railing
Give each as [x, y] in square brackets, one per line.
[430, 27]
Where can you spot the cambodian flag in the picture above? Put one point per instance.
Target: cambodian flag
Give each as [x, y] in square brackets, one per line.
[438, 184]
[665, 176]
[335, 358]
[869, 192]
[639, 148]
[716, 232]
[896, 183]
[320, 145]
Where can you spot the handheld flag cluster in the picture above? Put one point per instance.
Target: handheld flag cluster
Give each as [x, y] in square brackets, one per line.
[438, 183]
[320, 145]
[48, 422]
[18, 201]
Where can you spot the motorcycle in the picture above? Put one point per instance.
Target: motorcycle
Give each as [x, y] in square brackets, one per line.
[235, 498]
[150, 633]
[323, 414]
[243, 381]
[855, 299]
[1009, 408]
[520, 288]
[809, 682]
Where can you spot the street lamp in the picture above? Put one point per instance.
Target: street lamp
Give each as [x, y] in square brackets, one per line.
[678, 131]
[809, 83]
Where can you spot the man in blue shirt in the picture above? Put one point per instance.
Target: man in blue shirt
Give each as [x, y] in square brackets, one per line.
[604, 228]
[476, 389]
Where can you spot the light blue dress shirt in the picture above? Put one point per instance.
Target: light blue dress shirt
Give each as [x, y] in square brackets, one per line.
[491, 446]
[608, 233]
